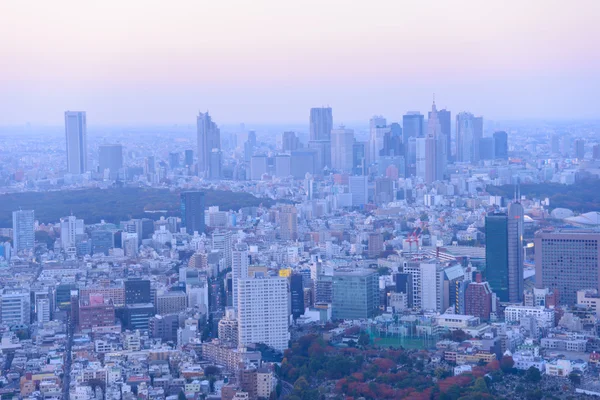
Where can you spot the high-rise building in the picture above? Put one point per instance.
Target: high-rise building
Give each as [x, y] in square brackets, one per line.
[566, 261]
[478, 299]
[23, 231]
[342, 142]
[42, 310]
[579, 148]
[378, 129]
[149, 165]
[164, 327]
[221, 241]
[555, 143]
[297, 295]
[501, 145]
[102, 241]
[359, 155]
[375, 244]
[215, 164]
[283, 166]
[420, 157]
[171, 302]
[189, 157]
[258, 167]
[504, 253]
[355, 294]
[469, 130]
[596, 152]
[209, 138]
[110, 157]
[239, 269]
[76, 137]
[486, 148]
[435, 149]
[359, 188]
[137, 291]
[174, 160]
[95, 311]
[445, 120]
[321, 123]
[262, 307]
[288, 223]
[192, 212]
[303, 162]
[413, 127]
[70, 228]
[289, 142]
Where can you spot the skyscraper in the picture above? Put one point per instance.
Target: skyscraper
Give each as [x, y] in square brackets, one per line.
[501, 145]
[342, 142]
[288, 223]
[76, 137]
[239, 269]
[566, 261]
[297, 295]
[192, 212]
[355, 294]
[579, 148]
[378, 128]
[435, 149]
[504, 253]
[445, 120]
[469, 130]
[189, 157]
[262, 307]
[359, 158]
[110, 157]
[209, 138]
[23, 230]
[413, 125]
[289, 141]
[321, 123]
[70, 227]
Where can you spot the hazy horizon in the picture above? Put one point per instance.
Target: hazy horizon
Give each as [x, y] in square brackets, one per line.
[152, 63]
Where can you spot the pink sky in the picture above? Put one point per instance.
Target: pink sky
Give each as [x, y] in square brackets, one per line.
[270, 61]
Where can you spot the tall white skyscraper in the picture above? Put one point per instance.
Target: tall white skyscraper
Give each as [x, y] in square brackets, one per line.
[378, 128]
[342, 142]
[263, 313]
[76, 136]
[70, 227]
[23, 230]
[239, 269]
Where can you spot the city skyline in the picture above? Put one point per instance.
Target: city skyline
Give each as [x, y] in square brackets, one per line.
[144, 71]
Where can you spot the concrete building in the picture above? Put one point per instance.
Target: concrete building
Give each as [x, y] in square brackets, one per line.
[23, 231]
[355, 294]
[76, 140]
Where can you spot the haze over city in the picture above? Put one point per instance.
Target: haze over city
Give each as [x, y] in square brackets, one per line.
[153, 62]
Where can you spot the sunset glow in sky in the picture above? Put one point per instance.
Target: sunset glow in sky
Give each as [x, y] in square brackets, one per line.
[143, 62]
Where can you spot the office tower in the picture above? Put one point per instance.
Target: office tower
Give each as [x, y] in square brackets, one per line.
[262, 312]
[221, 241]
[375, 244]
[469, 130]
[501, 145]
[297, 295]
[303, 162]
[431, 285]
[215, 164]
[70, 227]
[478, 299]
[445, 121]
[249, 146]
[209, 138]
[516, 217]
[579, 148]
[504, 253]
[76, 136]
[149, 165]
[435, 149]
[283, 166]
[321, 123]
[420, 157]
[192, 212]
[596, 152]
[486, 148]
[359, 154]
[137, 316]
[15, 307]
[359, 188]
[566, 145]
[102, 241]
[355, 294]
[288, 223]
[137, 291]
[110, 157]
[42, 310]
[378, 129]
[403, 283]
[413, 126]
[173, 160]
[289, 142]
[258, 167]
[342, 142]
[239, 269]
[23, 231]
[189, 158]
[566, 261]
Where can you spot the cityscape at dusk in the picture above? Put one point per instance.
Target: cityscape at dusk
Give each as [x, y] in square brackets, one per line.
[299, 201]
